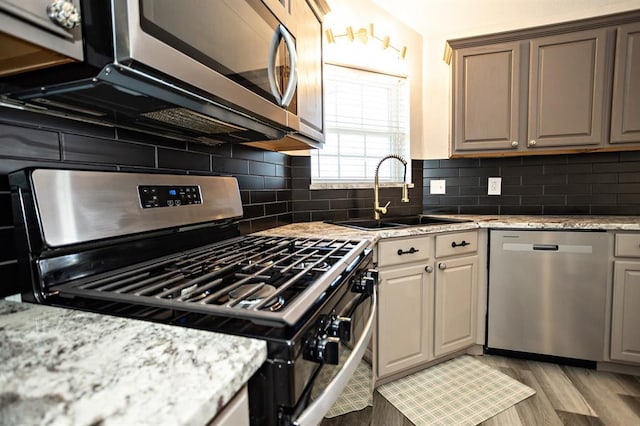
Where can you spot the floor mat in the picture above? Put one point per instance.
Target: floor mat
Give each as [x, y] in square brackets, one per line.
[462, 391]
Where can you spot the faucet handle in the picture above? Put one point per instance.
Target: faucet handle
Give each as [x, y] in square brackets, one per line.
[383, 209]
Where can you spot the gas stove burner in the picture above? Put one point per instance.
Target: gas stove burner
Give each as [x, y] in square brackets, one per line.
[250, 296]
[324, 266]
[245, 292]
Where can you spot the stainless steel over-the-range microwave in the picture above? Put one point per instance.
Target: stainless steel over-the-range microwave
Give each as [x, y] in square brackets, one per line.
[217, 70]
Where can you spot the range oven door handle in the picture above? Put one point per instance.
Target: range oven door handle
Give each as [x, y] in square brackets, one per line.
[316, 411]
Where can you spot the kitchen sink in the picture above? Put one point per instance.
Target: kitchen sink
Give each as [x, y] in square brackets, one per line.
[396, 222]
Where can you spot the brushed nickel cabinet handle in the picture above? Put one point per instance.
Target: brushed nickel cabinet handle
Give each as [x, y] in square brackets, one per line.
[532, 142]
[442, 266]
[514, 144]
[428, 268]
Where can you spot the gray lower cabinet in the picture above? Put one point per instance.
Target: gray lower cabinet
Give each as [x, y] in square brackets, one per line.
[236, 412]
[456, 302]
[625, 107]
[428, 299]
[405, 318]
[405, 307]
[625, 314]
[456, 292]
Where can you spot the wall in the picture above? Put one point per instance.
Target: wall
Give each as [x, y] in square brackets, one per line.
[34, 140]
[441, 20]
[583, 184]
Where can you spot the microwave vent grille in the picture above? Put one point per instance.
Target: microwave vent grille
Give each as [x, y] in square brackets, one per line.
[190, 120]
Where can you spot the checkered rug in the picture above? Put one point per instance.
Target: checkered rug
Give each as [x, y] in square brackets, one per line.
[462, 391]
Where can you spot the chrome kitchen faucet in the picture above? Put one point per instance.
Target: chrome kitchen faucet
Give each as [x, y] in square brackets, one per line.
[377, 210]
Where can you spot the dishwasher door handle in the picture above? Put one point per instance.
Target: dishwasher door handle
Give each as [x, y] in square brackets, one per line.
[546, 247]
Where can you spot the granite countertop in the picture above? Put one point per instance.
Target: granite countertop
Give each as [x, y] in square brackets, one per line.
[65, 367]
[315, 229]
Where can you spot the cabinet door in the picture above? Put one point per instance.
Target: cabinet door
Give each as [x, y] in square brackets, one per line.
[625, 323]
[456, 295]
[567, 84]
[486, 97]
[625, 112]
[404, 318]
[309, 54]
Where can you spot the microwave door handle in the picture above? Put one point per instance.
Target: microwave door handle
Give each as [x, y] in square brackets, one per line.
[293, 74]
[316, 411]
[271, 65]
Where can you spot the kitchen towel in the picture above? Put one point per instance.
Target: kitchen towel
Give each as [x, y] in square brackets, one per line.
[462, 391]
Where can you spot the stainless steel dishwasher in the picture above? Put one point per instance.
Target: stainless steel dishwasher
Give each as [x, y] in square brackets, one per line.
[548, 292]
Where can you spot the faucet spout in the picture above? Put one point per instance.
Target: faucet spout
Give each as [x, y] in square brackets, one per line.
[377, 209]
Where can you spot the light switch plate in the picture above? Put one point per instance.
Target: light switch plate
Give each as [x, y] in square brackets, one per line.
[495, 184]
[438, 186]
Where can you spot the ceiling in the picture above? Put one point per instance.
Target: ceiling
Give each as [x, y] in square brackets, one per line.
[460, 18]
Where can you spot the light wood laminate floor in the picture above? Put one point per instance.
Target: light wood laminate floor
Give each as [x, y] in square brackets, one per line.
[565, 395]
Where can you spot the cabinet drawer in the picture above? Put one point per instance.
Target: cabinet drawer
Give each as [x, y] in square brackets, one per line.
[396, 251]
[628, 245]
[458, 243]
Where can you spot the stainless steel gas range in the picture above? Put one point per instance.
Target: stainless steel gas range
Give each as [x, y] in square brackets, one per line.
[167, 248]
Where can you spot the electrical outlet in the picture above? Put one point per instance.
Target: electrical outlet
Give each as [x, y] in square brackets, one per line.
[438, 186]
[495, 184]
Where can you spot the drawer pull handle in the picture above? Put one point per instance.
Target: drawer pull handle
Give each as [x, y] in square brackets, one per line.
[410, 251]
[462, 244]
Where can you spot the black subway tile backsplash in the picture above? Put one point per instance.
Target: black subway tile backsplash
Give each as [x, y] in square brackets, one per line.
[260, 168]
[274, 182]
[230, 165]
[27, 143]
[593, 183]
[85, 149]
[261, 197]
[183, 160]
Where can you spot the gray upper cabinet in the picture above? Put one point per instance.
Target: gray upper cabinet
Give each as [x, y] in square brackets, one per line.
[625, 109]
[567, 90]
[487, 85]
[570, 87]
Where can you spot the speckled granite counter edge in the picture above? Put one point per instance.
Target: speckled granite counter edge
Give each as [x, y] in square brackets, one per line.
[65, 367]
[326, 230]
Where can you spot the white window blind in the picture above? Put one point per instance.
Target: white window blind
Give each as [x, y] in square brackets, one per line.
[366, 118]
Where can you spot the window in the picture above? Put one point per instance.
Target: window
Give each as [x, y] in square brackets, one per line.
[366, 118]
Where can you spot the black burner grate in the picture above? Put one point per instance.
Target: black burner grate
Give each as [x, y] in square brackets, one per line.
[261, 278]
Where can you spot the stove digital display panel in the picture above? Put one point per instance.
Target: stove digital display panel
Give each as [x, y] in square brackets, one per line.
[152, 196]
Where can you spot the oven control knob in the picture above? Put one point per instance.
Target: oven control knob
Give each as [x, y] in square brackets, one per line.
[366, 282]
[323, 349]
[329, 350]
[341, 327]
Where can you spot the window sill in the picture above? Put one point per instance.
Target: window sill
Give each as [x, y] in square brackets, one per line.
[355, 185]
